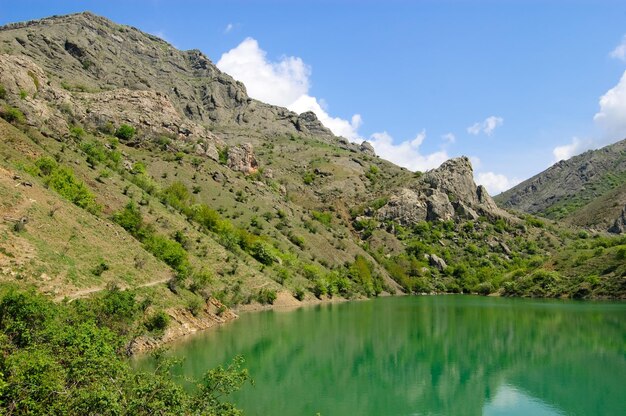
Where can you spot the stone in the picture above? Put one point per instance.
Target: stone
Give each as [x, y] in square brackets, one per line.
[241, 158]
[436, 261]
[366, 147]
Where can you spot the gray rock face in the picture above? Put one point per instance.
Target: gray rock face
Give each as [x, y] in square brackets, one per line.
[95, 54]
[445, 193]
[366, 147]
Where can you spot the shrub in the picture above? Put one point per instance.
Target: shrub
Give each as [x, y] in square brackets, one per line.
[323, 217]
[100, 268]
[223, 155]
[266, 296]
[158, 322]
[308, 177]
[3, 92]
[46, 165]
[125, 132]
[260, 252]
[299, 294]
[63, 181]
[12, 114]
[129, 218]
[169, 251]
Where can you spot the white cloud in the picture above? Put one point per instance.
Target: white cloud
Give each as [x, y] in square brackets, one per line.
[280, 83]
[406, 153]
[487, 126]
[576, 146]
[449, 138]
[339, 126]
[620, 50]
[284, 83]
[612, 114]
[495, 182]
[229, 27]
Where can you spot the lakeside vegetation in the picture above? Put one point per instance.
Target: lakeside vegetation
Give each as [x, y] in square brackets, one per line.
[70, 359]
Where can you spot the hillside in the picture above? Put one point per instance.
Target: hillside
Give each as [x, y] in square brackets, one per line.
[587, 190]
[127, 164]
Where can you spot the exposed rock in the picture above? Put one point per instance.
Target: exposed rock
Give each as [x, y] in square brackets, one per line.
[184, 323]
[366, 147]
[241, 158]
[430, 197]
[436, 261]
[95, 54]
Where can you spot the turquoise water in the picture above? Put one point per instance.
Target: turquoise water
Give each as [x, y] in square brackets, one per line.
[430, 355]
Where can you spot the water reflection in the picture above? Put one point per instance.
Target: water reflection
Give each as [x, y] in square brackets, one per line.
[444, 355]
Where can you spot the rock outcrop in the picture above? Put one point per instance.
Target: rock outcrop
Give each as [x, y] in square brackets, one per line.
[446, 193]
[619, 226]
[91, 53]
[241, 158]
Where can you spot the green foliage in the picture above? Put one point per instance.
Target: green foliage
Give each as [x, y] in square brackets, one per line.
[299, 294]
[125, 132]
[3, 92]
[157, 322]
[266, 296]
[130, 219]
[308, 177]
[63, 181]
[223, 155]
[77, 132]
[323, 217]
[177, 196]
[69, 359]
[12, 114]
[169, 251]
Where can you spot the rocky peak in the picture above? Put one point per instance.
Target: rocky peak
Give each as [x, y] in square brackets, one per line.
[86, 52]
[446, 193]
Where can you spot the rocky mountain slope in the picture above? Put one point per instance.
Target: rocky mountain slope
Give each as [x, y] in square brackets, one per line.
[587, 190]
[127, 163]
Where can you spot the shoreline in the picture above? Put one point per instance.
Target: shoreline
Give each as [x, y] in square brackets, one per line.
[183, 324]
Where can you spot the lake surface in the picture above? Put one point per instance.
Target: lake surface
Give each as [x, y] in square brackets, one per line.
[426, 355]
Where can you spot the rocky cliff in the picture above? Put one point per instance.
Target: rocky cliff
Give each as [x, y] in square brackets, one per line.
[446, 193]
[85, 52]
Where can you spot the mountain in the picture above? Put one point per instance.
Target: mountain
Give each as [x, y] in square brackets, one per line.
[588, 190]
[126, 164]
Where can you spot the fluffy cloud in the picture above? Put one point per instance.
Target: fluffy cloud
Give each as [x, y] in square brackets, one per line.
[576, 146]
[620, 51]
[407, 153]
[284, 83]
[339, 126]
[611, 118]
[487, 126]
[495, 182]
[612, 114]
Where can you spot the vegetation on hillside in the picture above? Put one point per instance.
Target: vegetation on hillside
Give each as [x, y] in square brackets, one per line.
[69, 359]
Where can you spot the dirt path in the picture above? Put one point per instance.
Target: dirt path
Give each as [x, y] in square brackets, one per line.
[87, 292]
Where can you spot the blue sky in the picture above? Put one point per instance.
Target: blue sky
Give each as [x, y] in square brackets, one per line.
[515, 85]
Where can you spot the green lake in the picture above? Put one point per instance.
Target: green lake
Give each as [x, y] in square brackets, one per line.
[425, 355]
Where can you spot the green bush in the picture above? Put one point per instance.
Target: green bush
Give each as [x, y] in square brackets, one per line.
[12, 114]
[125, 132]
[63, 181]
[130, 219]
[299, 294]
[169, 251]
[266, 296]
[3, 92]
[158, 322]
